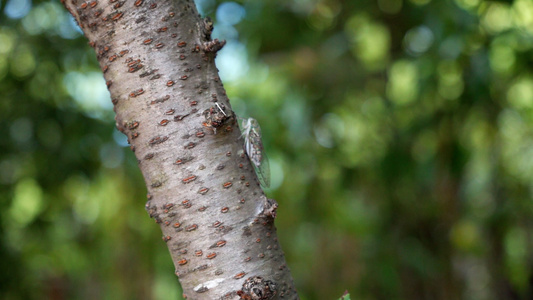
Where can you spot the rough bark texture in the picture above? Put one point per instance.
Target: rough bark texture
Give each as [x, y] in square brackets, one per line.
[158, 62]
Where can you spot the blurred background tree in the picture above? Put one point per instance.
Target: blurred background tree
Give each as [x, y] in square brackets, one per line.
[399, 134]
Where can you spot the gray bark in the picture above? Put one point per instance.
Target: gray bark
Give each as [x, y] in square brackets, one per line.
[158, 61]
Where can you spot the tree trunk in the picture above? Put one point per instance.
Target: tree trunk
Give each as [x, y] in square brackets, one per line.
[158, 61]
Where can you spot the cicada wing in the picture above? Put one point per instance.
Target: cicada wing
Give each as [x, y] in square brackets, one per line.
[250, 150]
[253, 145]
[243, 123]
[245, 128]
[263, 171]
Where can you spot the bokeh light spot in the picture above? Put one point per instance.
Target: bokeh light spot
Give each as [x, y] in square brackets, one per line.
[232, 61]
[328, 130]
[465, 235]
[522, 11]
[520, 94]
[21, 130]
[27, 202]
[230, 13]
[402, 87]
[496, 17]
[7, 40]
[451, 84]
[204, 6]
[111, 155]
[502, 58]
[323, 15]
[120, 138]
[22, 61]
[89, 91]
[418, 40]
[370, 41]
[16, 9]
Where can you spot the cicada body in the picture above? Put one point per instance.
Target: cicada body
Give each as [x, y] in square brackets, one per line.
[253, 145]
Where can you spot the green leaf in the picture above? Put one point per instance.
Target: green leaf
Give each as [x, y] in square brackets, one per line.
[345, 296]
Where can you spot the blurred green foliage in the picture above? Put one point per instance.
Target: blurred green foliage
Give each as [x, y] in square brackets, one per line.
[399, 134]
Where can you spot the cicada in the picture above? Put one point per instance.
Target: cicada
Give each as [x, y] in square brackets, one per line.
[253, 145]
